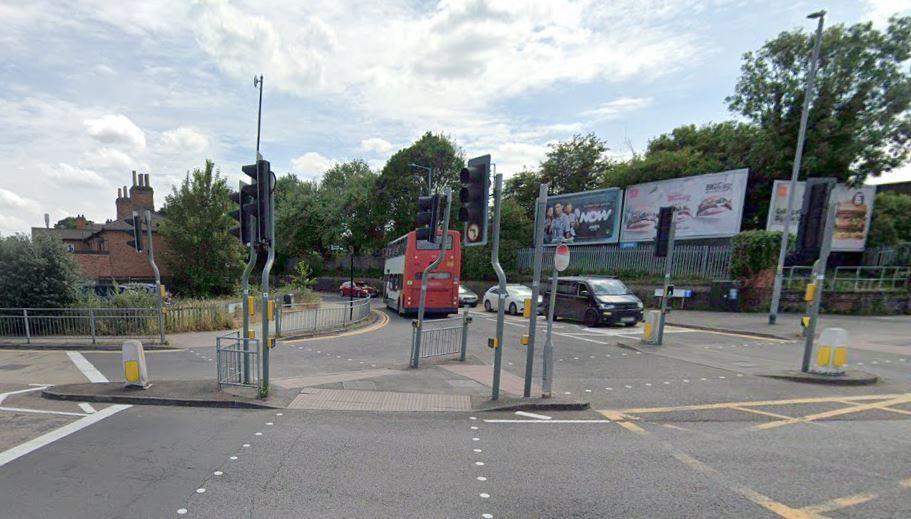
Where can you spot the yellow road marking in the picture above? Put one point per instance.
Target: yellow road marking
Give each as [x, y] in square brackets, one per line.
[384, 320]
[613, 415]
[839, 503]
[760, 412]
[728, 405]
[676, 427]
[630, 426]
[890, 409]
[837, 412]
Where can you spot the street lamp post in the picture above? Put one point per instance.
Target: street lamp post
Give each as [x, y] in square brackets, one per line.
[429, 173]
[795, 171]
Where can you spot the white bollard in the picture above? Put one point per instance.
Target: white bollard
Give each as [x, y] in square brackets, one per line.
[650, 328]
[134, 365]
[832, 353]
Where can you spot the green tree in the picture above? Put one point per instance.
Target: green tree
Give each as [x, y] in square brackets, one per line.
[354, 221]
[859, 124]
[203, 257]
[515, 234]
[298, 222]
[400, 184]
[523, 188]
[891, 223]
[69, 223]
[575, 165]
[36, 273]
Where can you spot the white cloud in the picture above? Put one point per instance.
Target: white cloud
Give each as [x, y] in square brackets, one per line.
[513, 157]
[67, 175]
[311, 165]
[10, 201]
[618, 107]
[879, 11]
[109, 159]
[376, 145]
[184, 140]
[104, 70]
[116, 129]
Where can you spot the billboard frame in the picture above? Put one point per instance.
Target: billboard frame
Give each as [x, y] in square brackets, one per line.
[617, 221]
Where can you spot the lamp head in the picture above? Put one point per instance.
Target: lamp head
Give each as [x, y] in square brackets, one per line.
[817, 14]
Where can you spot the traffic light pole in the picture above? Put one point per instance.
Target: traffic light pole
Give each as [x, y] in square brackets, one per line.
[148, 218]
[535, 286]
[270, 259]
[795, 172]
[419, 324]
[819, 269]
[501, 277]
[668, 271]
[245, 287]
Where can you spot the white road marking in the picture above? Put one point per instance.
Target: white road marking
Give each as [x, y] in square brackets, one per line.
[86, 367]
[181, 511]
[487, 516]
[479, 463]
[200, 491]
[543, 421]
[484, 495]
[48, 438]
[218, 473]
[4, 395]
[38, 411]
[477, 450]
[481, 478]
[85, 406]
[533, 415]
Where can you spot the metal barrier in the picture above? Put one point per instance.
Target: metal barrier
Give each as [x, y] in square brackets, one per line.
[899, 255]
[443, 336]
[237, 360]
[851, 279]
[29, 324]
[705, 261]
[305, 318]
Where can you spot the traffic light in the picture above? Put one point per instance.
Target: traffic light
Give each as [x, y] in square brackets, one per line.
[475, 179]
[135, 231]
[813, 217]
[245, 198]
[665, 219]
[265, 185]
[428, 217]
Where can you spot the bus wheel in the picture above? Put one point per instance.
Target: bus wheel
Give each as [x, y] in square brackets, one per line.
[512, 309]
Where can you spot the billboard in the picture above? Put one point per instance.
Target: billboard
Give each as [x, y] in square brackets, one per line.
[583, 218]
[852, 215]
[708, 206]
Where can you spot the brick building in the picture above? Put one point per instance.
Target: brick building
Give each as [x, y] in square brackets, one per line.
[101, 250]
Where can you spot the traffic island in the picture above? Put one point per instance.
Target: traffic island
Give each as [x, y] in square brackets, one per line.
[530, 404]
[849, 378]
[186, 393]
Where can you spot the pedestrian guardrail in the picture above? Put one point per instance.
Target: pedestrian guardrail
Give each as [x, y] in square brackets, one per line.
[439, 337]
[705, 261]
[850, 279]
[237, 360]
[303, 318]
[71, 324]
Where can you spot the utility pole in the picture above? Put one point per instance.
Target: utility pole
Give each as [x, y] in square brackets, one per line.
[795, 170]
[540, 217]
[429, 176]
[501, 277]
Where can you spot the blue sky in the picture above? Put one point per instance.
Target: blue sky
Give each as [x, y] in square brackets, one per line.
[92, 89]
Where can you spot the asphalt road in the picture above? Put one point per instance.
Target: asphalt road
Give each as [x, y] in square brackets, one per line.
[687, 430]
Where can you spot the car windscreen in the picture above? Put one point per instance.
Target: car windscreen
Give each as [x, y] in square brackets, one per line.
[608, 287]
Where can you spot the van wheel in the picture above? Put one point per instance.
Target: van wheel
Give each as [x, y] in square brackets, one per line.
[512, 309]
[487, 306]
[591, 318]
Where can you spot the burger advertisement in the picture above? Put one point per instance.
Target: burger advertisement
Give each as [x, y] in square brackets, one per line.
[583, 218]
[853, 210]
[708, 206]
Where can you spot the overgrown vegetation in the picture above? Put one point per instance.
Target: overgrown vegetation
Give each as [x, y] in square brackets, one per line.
[753, 252]
[36, 273]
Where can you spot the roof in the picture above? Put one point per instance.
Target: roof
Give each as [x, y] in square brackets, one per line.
[67, 234]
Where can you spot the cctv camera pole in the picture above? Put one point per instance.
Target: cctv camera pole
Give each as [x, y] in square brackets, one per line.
[501, 276]
[245, 288]
[148, 218]
[795, 170]
[419, 324]
[535, 286]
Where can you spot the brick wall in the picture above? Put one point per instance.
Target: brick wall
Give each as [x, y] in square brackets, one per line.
[121, 261]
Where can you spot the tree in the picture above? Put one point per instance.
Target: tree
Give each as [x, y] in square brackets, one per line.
[347, 194]
[859, 124]
[515, 234]
[891, 224]
[400, 184]
[36, 273]
[523, 188]
[575, 165]
[69, 223]
[204, 258]
[298, 222]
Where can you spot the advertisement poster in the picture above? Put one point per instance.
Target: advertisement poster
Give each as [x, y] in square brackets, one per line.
[583, 218]
[852, 215]
[708, 206]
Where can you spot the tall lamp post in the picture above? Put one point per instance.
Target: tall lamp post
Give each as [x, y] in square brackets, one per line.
[429, 172]
[795, 171]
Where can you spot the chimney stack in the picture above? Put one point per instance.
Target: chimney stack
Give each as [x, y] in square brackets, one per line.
[144, 196]
[134, 177]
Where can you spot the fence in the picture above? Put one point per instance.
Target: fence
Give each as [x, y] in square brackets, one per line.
[197, 317]
[29, 324]
[237, 360]
[442, 336]
[888, 256]
[851, 279]
[704, 261]
[304, 318]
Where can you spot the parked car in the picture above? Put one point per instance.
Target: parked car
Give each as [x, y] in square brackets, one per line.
[361, 289]
[595, 301]
[467, 297]
[515, 298]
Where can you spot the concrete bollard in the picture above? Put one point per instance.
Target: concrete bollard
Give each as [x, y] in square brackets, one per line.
[650, 328]
[832, 354]
[134, 365]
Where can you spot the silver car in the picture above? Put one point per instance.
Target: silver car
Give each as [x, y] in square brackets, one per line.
[467, 297]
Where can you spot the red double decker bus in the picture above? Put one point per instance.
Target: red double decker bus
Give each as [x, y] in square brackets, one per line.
[406, 259]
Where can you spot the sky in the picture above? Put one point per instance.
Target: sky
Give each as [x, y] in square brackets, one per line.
[93, 89]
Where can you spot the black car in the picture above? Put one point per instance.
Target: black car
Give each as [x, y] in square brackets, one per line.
[595, 301]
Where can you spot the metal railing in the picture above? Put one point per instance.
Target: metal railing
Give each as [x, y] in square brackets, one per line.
[705, 261]
[237, 360]
[851, 279]
[69, 324]
[443, 336]
[899, 255]
[303, 318]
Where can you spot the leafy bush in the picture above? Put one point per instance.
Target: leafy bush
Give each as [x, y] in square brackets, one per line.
[754, 251]
[36, 273]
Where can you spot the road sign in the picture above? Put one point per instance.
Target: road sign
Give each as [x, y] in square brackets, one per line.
[561, 257]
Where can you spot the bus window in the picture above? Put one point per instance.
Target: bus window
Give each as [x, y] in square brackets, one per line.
[426, 245]
[440, 275]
